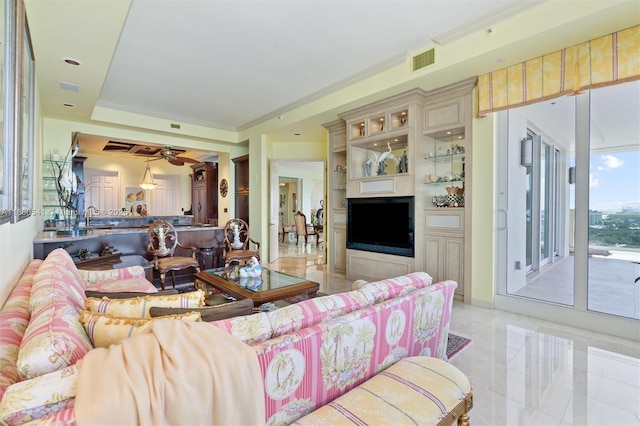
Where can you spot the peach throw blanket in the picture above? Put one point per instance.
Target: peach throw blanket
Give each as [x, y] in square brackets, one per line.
[179, 373]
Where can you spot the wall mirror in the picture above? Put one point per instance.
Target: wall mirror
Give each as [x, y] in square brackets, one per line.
[7, 116]
[23, 204]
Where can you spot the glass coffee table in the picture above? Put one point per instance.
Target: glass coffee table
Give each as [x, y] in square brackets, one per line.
[271, 286]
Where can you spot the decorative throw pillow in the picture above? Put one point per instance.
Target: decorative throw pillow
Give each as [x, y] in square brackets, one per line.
[126, 294]
[210, 313]
[138, 307]
[105, 330]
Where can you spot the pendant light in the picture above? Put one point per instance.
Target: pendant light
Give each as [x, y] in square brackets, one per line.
[147, 179]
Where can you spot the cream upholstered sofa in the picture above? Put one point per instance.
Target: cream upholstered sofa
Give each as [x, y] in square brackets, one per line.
[309, 353]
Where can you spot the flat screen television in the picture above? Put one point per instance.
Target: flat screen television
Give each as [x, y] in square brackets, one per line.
[381, 224]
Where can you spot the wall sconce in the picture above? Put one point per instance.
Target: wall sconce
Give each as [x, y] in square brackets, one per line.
[526, 152]
[147, 178]
[572, 175]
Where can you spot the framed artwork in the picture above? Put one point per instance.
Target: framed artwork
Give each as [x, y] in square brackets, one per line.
[135, 201]
[24, 112]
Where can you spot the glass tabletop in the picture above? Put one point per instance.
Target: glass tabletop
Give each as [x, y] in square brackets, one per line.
[269, 280]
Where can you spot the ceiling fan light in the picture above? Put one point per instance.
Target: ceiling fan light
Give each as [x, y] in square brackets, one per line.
[147, 179]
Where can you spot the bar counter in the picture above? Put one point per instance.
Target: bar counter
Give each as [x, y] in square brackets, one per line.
[132, 241]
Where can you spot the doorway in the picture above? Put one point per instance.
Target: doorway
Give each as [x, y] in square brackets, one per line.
[297, 185]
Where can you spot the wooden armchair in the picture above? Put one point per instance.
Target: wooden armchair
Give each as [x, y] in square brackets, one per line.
[303, 229]
[237, 243]
[163, 241]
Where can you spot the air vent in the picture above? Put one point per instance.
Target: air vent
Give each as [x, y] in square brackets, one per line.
[424, 59]
[69, 86]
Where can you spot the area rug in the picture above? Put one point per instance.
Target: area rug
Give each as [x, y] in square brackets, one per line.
[455, 345]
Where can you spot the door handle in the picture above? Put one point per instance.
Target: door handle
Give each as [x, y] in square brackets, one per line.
[502, 214]
[199, 206]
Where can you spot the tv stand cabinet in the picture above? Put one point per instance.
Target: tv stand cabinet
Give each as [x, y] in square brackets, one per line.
[416, 124]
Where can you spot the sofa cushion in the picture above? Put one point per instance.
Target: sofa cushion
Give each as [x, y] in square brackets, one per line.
[398, 286]
[14, 319]
[57, 279]
[312, 311]
[210, 313]
[250, 329]
[416, 390]
[105, 330]
[125, 284]
[54, 338]
[31, 399]
[358, 284]
[96, 277]
[138, 307]
[126, 294]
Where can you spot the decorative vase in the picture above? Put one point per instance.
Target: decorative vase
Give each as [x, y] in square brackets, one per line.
[451, 200]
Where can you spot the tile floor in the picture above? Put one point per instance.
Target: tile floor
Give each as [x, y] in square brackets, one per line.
[524, 371]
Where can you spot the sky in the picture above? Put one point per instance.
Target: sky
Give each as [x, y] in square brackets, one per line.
[614, 181]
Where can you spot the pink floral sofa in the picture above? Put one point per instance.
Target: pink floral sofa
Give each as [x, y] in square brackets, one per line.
[40, 335]
[309, 353]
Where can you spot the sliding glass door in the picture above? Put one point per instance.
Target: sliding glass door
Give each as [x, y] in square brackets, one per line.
[572, 235]
[614, 201]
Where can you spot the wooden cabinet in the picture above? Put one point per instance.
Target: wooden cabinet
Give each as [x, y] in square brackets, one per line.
[242, 187]
[204, 195]
[444, 246]
[380, 149]
[336, 238]
[339, 248]
[446, 148]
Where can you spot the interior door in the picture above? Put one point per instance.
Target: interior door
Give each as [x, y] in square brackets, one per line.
[102, 191]
[274, 200]
[164, 199]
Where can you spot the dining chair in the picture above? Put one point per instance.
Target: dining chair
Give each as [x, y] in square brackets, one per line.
[303, 229]
[237, 244]
[163, 241]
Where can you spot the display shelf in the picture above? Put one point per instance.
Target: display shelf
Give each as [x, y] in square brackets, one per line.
[378, 158]
[399, 119]
[357, 130]
[442, 182]
[445, 158]
[376, 125]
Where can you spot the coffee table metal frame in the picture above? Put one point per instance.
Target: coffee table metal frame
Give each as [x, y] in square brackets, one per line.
[264, 295]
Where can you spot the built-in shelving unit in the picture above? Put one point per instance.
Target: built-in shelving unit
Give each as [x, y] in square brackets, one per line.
[418, 144]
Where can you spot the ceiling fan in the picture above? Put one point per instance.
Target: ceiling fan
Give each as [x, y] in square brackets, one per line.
[171, 156]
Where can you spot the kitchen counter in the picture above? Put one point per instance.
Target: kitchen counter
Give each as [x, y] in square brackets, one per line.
[49, 236]
[132, 241]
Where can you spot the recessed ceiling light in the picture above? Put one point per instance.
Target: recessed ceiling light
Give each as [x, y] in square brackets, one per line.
[69, 105]
[72, 61]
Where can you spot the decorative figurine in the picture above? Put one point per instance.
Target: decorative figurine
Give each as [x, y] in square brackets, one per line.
[404, 163]
[254, 269]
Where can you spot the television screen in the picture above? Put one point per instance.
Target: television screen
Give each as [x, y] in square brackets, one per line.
[382, 224]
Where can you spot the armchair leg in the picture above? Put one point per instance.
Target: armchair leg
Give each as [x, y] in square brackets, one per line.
[162, 278]
[173, 278]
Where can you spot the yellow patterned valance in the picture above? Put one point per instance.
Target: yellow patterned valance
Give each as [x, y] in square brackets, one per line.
[611, 59]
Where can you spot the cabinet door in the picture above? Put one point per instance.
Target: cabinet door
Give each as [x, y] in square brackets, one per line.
[444, 115]
[199, 203]
[242, 173]
[242, 206]
[453, 261]
[339, 244]
[434, 257]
